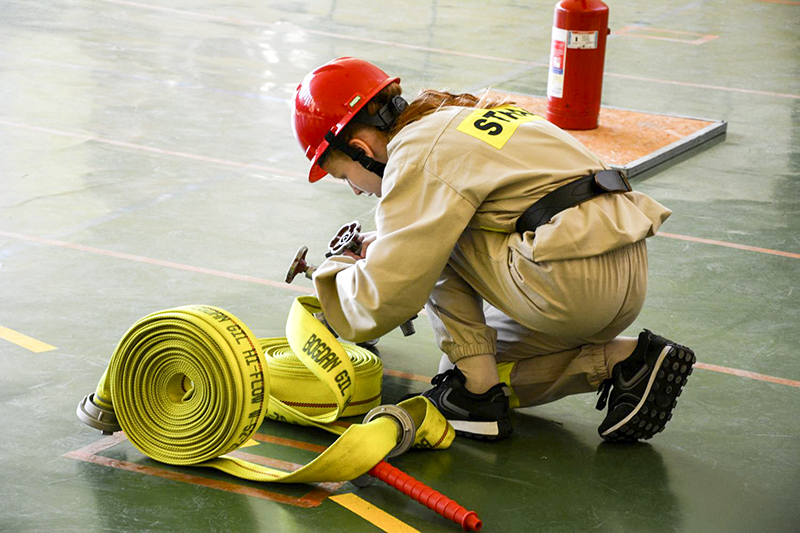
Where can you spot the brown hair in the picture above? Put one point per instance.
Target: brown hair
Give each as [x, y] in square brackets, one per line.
[428, 101]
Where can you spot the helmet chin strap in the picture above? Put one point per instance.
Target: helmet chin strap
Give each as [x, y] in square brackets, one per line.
[383, 121]
[356, 154]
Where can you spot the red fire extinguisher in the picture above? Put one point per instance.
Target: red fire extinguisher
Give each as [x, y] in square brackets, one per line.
[575, 79]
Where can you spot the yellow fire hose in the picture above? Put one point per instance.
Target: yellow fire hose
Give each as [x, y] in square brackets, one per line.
[190, 385]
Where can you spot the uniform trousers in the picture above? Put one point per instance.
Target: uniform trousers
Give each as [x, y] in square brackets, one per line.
[552, 327]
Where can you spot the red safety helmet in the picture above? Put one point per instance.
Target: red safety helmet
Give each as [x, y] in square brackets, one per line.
[327, 100]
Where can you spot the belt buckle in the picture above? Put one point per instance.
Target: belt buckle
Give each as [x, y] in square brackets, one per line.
[612, 181]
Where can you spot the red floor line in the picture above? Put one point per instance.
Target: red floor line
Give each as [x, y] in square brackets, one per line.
[701, 85]
[265, 461]
[152, 149]
[318, 493]
[248, 22]
[629, 31]
[703, 366]
[748, 374]
[436, 50]
[696, 42]
[282, 441]
[251, 279]
[195, 480]
[157, 262]
[406, 375]
[426, 48]
[728, 245]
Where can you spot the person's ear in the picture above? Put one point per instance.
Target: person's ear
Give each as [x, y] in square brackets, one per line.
[359, 144]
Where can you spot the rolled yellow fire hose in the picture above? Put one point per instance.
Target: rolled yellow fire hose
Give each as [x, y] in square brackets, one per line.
[192, 384]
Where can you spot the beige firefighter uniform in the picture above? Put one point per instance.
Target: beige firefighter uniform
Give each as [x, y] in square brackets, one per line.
[455, 183]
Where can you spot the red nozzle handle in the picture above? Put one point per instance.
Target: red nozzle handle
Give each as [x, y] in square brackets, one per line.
[425, 495]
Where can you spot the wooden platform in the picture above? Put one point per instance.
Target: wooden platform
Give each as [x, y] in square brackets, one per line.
[632, 141]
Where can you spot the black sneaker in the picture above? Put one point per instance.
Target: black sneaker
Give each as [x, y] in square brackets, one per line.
[644, 389]
[477, 416]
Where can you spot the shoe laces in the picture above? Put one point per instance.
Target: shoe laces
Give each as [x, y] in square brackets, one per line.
[603, 392]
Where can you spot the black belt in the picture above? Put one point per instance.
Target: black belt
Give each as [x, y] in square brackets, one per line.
[570, 195]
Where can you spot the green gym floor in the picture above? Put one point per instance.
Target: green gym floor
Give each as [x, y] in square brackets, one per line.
[147, 162]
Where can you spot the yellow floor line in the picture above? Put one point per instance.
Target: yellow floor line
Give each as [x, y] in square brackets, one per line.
[372, 514]
[23, 340]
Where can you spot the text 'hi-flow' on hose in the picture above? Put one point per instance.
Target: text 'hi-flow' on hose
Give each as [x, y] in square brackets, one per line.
[192, 384]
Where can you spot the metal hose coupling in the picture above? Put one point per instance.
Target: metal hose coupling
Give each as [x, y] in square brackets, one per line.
[406, 433]
[406, 428]
[96, 416]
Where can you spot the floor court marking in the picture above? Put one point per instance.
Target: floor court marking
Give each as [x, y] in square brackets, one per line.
[630, 31]
[247, 22]
[157, 262]
[147, 79]
[152, 149]
[313, 498]
[748, 374]
[372, 514]
[307, 290]
[406, 375]
[728, 245]
[283, 441]
[319, 493]
[29, 343]
[327, 179]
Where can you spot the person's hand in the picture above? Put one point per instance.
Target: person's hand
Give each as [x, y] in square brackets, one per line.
[364, 239]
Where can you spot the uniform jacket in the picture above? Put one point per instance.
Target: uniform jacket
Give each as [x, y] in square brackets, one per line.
[440, 180]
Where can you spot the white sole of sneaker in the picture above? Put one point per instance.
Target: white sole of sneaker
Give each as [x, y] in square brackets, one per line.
[635, 411]
[488, 429]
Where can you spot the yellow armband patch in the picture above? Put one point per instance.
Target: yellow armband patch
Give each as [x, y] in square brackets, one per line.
[495, 126]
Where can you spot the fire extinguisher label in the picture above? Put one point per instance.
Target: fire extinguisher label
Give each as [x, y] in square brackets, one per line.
[558, 59]
[582, 39]
[495, 126]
